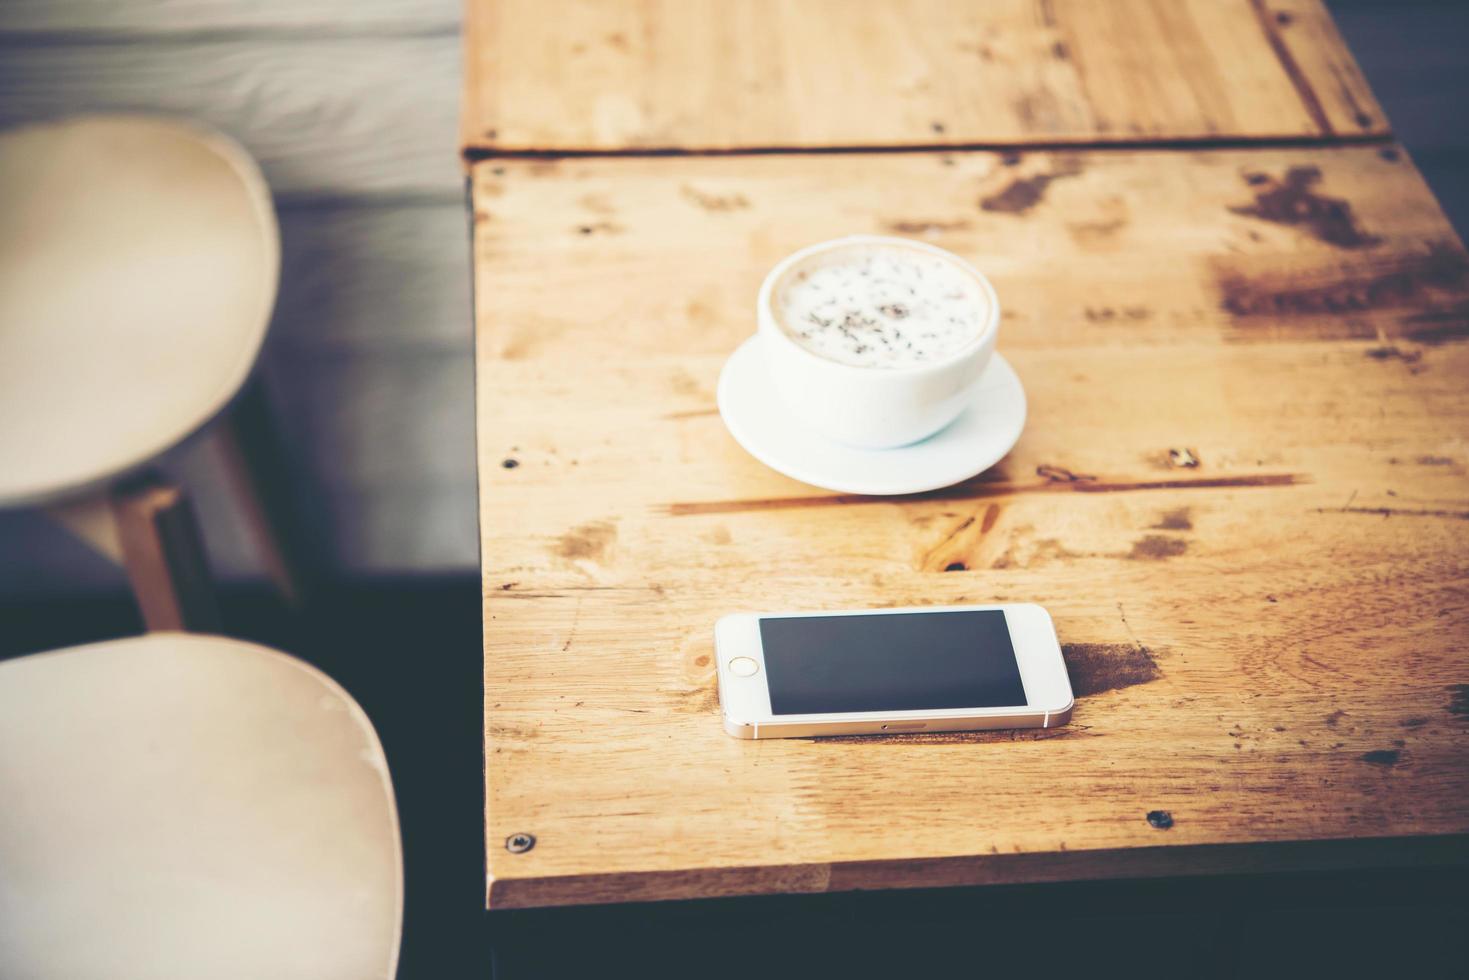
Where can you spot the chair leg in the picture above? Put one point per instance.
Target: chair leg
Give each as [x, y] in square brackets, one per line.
[246, 444]
[164, 556]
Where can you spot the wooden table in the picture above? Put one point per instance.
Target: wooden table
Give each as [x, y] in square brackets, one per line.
[1240, 318]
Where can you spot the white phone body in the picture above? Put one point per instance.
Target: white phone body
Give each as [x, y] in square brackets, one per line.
[745, 697]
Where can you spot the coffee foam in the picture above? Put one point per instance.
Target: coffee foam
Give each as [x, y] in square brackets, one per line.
[881, 305]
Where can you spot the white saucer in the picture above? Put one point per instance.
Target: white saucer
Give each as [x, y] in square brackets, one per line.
[971, 444]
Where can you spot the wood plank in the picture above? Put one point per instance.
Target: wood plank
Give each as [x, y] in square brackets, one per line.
[700, 74]
[1311, 49]
[152, 17]
[342, 116]
[1241, 493]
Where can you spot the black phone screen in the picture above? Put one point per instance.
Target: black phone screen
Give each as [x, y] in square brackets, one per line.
[890, 662]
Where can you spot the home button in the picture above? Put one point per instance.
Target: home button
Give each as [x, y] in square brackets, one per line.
[743, 667]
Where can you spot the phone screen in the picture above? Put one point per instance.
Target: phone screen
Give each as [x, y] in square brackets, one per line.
[893, 662]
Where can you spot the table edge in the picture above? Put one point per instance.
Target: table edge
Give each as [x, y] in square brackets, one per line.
[1154, 861]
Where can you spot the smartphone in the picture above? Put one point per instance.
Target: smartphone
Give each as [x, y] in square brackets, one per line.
[870, 671]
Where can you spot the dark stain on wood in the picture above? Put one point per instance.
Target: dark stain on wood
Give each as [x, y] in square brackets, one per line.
[587, 541]
[1459, 700]
[1382, 757]
[1024, 193]
[921, 227]
[1060, 52]
[693, 413]
[1258, 480]
[1088, 233]
[1400, 282]
[1454, 515]
[1173, 459]
[1392, 352]
[1060, 474]
[714, 202]
[600, 228]
[1434, 461]
[1108, 314]
[509, 463]
[1178, 519]
[978, 489]
[951, 563]
[1334, 719]
[1417, 722]
[1160, 819]
[1287, 59]
[957, 531]
[1293, 201]
[1183, 458]
[1098, 667]
[1438, 326]
[1390, 153]
[1157, 547]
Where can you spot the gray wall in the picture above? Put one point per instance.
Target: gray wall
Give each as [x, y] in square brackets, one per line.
[350, 106]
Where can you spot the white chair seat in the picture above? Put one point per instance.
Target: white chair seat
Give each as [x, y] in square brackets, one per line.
[189, 806]
[138, 267]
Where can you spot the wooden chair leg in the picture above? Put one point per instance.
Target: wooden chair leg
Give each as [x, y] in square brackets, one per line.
[253, 465]
[164, 556]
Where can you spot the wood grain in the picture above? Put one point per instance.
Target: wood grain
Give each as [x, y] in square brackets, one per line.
[1321, 65]
[1242, 493]
[700, 74]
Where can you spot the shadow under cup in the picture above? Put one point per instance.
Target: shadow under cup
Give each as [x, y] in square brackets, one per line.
[872, 407]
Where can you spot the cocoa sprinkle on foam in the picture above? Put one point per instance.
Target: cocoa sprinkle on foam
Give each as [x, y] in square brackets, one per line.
[882, 306]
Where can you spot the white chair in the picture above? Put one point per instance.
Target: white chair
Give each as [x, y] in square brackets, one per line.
[138, 265]
[185, 806]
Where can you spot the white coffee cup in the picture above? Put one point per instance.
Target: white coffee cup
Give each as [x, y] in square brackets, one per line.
[872, 407]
